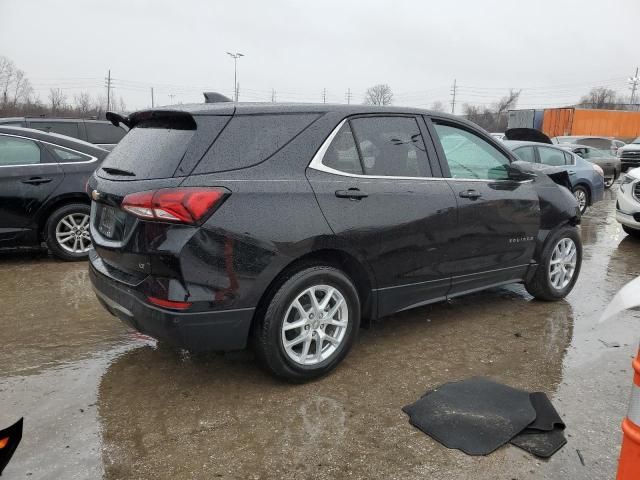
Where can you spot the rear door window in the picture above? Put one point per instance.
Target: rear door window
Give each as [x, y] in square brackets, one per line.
[250, 139]
[391, 146]
[18, 151]
[526, 154]
[69, 129]
[102, 132]
[551, 156]
[66, 156]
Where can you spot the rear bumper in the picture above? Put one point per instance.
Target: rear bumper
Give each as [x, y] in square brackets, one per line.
[198, 332]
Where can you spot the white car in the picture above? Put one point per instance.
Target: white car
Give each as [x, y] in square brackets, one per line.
[628, 207]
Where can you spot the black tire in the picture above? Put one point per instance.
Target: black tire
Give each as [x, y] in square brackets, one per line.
[540, 285]
[56, 247]
[268, 343]
[632, 232]
[587, 197]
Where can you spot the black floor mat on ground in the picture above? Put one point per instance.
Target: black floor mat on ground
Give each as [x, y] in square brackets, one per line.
[475, 415]
[543, 437]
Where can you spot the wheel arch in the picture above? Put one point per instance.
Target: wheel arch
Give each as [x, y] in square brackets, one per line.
[355, 269]
[55, 204]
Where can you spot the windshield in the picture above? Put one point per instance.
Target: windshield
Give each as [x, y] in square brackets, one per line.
[637, 140]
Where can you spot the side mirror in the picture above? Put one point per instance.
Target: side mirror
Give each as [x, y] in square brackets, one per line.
[518, 175]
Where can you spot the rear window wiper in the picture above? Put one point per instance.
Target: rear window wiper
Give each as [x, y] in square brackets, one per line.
[118, 171]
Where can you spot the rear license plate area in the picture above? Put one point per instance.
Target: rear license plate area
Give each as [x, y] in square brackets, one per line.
[107, 225]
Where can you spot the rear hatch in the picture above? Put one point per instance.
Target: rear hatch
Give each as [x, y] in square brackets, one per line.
[161, 148]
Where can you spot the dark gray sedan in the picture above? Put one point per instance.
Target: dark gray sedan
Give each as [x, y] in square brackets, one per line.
[609, 163]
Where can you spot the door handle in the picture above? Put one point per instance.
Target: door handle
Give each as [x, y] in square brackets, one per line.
[352, 193]
[472, 194]
[37, 180]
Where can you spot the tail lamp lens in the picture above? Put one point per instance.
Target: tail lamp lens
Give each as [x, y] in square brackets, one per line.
[161, 302]
[183, 205]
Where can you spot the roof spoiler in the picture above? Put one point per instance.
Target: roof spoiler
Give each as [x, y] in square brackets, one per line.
[215, 97]
[175, 119]
[527, 135]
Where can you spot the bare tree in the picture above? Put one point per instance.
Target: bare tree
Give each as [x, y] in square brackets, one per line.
[600, 97]
[7, 72]
[380, 94]
[57, 99]
[100, 106]
[495, 117]
[438, 106]
[121, 105]
[82, 102]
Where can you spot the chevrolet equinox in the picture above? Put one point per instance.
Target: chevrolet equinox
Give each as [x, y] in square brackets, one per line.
[219, 225]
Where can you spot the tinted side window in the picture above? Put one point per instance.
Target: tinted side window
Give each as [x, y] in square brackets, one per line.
[551, 156]
[470, 156]
[65, 155]
[596, 142]
[63, 128]
[526, 154]
[391, 146]
[342, 154]
[18, 151]
[250, 139]
[98, 132]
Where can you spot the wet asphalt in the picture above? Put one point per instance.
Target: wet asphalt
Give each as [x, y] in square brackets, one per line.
[100, 401]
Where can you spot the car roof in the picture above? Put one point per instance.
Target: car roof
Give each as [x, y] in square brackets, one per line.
[228, 108]
[54, 138]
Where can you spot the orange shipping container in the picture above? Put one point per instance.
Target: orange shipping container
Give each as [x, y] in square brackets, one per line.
[582, 121]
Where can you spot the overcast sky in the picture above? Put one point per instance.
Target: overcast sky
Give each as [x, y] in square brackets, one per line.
[554, 50]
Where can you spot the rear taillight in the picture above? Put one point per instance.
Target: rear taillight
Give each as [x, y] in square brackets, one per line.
[183, 205]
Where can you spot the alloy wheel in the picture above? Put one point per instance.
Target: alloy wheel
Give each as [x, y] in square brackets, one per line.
[315, 325]
[72, 233]
[563, 263]
[581, 197]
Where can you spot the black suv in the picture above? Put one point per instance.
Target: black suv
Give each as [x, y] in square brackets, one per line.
[286, 224]
[99, 132]
[43, 177]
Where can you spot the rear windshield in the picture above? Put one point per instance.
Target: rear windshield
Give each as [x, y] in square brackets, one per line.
[147, 153]
[251, 139]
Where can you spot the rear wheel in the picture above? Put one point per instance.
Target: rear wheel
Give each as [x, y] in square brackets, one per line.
[582, 196]
[632, 232]
[559, 266]
[67, 232]
[309, 325]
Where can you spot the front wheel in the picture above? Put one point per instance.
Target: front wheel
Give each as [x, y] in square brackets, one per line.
[67, 232]
[310, 324]
[582, 196]
[559, 266]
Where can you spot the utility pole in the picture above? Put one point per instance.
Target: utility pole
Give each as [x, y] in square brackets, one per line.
[633, 82]
[273, 96]
[453, 97]
[348, 96]
[152, 103]
[109, 90]
[235, 57]
[324, 95]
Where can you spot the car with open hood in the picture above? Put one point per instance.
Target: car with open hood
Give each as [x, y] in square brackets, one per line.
[285, 226]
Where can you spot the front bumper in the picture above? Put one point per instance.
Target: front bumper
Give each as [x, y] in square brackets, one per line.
[198, 332]
[628, 220]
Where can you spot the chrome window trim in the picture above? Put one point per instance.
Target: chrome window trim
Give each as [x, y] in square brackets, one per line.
[316, 164]
[35, 140]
